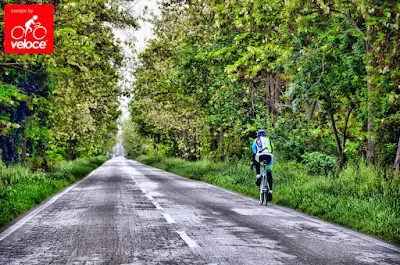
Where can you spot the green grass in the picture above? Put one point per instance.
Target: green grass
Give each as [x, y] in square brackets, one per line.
[20, 190]
[361, 198]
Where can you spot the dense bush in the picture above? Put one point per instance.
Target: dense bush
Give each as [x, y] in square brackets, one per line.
[320, 163]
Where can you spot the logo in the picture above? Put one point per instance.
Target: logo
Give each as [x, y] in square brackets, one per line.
[28, 29]
[259, 143]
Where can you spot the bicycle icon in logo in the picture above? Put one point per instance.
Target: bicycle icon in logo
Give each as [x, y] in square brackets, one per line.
[38, 32]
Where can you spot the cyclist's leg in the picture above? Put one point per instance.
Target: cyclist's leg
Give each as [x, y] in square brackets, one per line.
[269, 178]
[27, 30]
[258, 178]
[257, 168]
[269, 173]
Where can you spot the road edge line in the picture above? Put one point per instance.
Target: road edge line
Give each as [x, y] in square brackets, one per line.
[40, 208]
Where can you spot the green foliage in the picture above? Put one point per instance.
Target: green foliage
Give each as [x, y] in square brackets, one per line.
[67, 100]
[321, 77]
[320, 163]
[16, 174]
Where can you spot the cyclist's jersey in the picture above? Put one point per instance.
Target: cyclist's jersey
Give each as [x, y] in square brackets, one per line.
[262, 145]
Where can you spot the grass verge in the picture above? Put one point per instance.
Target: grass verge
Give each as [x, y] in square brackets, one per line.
[360, 198]
[20, 190]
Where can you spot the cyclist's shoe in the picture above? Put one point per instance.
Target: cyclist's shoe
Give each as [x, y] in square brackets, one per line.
[269, 195]
[258, 180]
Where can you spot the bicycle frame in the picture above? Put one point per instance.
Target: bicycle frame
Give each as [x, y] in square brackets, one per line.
[264, 186]
[264, 182]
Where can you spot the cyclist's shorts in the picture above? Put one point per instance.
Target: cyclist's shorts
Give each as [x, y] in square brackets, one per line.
[265, 158]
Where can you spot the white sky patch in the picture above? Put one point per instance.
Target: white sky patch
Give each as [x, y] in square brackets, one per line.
[138, 38]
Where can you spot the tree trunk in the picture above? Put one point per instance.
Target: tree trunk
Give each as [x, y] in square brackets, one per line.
[267, 100]
[252, 91]
[221, 144]
[372, 87]
[272, 96]
[175, 144]
[214, 140]
[337, 140]
[345, 133]
[23, 151]
[71, 150]
[277, 93]
[195, 147]
[396, 165]
[313, 106]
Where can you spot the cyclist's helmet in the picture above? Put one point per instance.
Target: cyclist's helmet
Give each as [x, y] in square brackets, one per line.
[261, 133]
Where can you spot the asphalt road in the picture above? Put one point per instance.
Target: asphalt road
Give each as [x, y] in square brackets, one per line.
[129, 213]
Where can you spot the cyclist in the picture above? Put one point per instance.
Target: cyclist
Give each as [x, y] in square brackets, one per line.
[262, 151]
[29, 23]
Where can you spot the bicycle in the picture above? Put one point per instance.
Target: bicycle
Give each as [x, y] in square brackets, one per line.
[264, 185]
[36, 27]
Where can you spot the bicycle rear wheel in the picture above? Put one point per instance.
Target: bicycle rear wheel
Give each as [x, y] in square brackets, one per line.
[265, 197]
[262, 196]
[262, 185]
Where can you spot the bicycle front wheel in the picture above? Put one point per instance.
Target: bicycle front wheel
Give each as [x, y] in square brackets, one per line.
[262, 184]
[262, 196]
[42, 31]
[18, 32]
[265, 197]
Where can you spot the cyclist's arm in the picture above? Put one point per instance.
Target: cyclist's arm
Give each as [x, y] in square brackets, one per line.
[253, 150]
[254, 147]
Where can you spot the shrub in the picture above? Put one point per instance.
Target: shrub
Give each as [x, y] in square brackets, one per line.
[318, 163]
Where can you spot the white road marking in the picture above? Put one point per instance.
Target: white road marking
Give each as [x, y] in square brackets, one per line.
[190, 242]
[36, 211]
[169, 219]
[137, 183]
[157, 205]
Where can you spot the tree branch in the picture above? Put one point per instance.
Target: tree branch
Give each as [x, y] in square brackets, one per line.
[353, 22]
[345, 127]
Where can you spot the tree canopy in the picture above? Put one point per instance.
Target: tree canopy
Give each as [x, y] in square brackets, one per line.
[66, 104]
[321, 76]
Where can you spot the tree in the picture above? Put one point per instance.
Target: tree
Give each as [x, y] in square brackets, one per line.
[74, 93]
